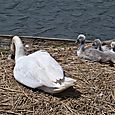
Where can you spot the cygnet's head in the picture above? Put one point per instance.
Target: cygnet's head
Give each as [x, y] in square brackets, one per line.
[113, 46]
[97, 43]
[81, 39]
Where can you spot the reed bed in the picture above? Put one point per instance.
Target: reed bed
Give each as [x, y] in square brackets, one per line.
[92, 94]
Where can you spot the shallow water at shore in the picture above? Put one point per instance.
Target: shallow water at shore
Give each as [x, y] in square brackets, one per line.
[65, 18]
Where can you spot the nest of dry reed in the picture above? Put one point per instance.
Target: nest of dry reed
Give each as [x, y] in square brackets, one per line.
[92, 94]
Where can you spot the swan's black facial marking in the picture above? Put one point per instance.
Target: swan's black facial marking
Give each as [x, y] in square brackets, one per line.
[12, 56]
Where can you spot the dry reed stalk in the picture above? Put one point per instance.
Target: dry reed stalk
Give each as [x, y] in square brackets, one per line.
[94, 80]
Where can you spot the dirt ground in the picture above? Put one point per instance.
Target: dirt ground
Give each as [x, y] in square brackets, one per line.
[92, 94]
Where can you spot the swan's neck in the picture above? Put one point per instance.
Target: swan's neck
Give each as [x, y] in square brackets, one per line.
[19, 48]
[100, 48]
[19, 51]
[81, 48]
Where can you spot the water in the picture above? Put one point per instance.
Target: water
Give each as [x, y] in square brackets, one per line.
[58, 18]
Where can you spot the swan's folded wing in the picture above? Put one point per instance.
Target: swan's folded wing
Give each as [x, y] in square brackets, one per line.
[52, 68]
[26, 72]
[38, 71]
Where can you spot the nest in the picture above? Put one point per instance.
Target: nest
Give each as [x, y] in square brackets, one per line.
[92, 94]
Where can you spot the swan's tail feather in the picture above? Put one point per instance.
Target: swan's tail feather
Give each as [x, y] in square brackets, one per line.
[68, 82]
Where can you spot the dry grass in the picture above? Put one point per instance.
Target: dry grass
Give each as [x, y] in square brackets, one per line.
[92, 94]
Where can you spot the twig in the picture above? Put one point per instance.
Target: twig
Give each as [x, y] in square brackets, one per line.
[24, 111]
[113, 93]
[2, 54]
[9, 112]
[12, 90]
[33, 110]
[69, 108]
[66, 106]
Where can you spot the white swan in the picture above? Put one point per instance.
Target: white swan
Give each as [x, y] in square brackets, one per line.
[38, 70]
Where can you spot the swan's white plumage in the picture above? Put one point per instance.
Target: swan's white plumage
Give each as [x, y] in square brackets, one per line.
[39, 70]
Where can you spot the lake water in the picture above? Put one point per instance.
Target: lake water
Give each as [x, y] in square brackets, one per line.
[58, 18]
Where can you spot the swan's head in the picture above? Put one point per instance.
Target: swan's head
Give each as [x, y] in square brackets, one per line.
[81, 39]
[97, 43]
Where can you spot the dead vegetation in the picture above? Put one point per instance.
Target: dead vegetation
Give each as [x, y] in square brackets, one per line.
[92, 94]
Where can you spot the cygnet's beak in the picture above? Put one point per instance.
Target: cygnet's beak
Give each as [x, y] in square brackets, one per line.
[114, 48]
[94, 46]
[77, 41]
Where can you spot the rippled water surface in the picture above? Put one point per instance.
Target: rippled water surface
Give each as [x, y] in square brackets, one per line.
[58, 18]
